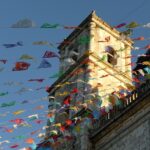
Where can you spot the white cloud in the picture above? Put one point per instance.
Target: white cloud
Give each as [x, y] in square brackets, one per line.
[24, 23]
[146, 25]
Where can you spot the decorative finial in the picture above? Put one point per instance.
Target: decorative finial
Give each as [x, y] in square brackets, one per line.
[93, 13]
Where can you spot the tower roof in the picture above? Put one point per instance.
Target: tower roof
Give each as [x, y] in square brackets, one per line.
[91, 17]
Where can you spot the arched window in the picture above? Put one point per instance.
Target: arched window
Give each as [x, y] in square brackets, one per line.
[111, 55]
[73, 52]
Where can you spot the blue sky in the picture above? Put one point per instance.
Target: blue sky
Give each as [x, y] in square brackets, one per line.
[63, 12]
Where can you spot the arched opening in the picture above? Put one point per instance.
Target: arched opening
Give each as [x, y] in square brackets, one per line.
[111, 55]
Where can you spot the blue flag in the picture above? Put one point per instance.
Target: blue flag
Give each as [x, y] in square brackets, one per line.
[147, 69]
[96, 114]
[44, 64]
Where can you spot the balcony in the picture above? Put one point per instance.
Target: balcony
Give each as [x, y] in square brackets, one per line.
[129, 102]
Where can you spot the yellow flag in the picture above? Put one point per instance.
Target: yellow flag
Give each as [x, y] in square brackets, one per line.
[146, 63]
[18, 112]
[77, 128]
[57, 125]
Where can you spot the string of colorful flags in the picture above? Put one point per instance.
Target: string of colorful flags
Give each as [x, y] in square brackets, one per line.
[28, 23]
[61, 127]
[95, 112]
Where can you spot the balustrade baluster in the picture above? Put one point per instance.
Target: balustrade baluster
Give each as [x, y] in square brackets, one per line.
[131, 98]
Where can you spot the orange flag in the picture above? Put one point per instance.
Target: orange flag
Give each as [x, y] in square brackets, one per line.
[139, 38]
[29, 140]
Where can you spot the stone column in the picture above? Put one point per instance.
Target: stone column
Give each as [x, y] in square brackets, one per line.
[92, 27]
[128, 61]
[85, 142]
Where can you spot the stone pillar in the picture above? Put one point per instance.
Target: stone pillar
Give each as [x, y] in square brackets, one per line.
[128, 61]
[84, 138]
[92, 26]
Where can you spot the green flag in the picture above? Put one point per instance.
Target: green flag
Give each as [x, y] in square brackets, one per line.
[3, 94]
[132, 25]
[26, 57]
[47, 25]
[104, 58]
[8, 104]
[57, 75]
[84, 40]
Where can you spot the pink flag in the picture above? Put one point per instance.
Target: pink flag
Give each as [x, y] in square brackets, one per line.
[14, 146]
[72, 27]
[17, 121]
[120, 25]
[136, 80]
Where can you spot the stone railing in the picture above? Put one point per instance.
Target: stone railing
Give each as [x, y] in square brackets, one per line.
[129, 101]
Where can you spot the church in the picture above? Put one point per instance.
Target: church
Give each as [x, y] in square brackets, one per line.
[99, 102]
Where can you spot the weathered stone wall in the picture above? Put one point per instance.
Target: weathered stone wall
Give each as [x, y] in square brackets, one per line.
[131, 134]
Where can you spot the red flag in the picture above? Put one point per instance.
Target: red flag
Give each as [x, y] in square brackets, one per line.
[147, 47]
[17, 121]
[75, 90]
[136, 80]
[68, 122]
[67, 100]
[62, 128]
[49, 54]
[14, 146]
[21, 66]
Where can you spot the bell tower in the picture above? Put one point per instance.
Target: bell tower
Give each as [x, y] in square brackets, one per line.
[107, 67]
[94, 65]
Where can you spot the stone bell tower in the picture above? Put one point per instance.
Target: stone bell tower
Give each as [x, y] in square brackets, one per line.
[92, 59]
[106, 52]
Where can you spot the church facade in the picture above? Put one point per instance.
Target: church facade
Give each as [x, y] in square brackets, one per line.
[94, 104]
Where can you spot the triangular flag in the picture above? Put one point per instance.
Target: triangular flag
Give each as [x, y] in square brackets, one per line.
[141, 38]
[26, 57]
[44, 64]
[29, 140]
[120, 25]
[132, 25]
[21, 66]
[47, 25]
[3, 61]
[49, 54]
[147, 69]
